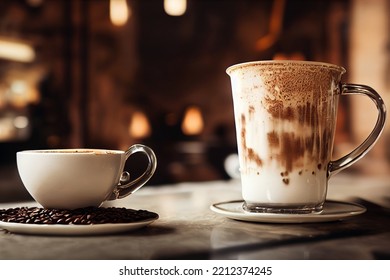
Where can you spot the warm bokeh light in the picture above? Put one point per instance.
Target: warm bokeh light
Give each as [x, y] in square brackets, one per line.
[175, 7]
[21, 122]
[16, 51]
[139, 126]
[119, 12]
[275, 26]
[193, 121]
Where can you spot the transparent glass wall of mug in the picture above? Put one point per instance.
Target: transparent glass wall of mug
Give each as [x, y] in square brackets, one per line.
[285, 117]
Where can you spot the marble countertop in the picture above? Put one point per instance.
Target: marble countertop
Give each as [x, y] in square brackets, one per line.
[188, 229]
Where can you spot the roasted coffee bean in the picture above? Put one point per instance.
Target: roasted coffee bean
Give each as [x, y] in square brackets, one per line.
[80, 216]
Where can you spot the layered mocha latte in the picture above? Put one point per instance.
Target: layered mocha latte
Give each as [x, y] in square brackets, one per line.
[285, 119]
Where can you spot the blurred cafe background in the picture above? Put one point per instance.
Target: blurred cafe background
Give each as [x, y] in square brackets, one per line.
[111, 73]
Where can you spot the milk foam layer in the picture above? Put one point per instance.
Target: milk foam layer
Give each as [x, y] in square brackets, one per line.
[285, 114]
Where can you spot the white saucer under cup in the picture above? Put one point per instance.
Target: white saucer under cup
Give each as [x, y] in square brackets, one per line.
[59, 229]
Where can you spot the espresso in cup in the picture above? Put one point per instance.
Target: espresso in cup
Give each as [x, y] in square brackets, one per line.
[285, 116]
[76, 178]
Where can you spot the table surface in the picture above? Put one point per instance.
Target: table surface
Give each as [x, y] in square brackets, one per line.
[188, 229]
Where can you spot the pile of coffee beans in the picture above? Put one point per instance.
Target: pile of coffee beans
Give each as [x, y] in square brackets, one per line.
[80, 216]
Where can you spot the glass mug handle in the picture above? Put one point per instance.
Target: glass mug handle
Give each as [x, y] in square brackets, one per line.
[127, 187]
[347, 160]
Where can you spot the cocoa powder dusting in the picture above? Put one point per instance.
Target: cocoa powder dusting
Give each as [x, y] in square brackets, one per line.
[243, 131]
[288, 114]
[249, 153]
[274, 107]
[251, 110]
[279, 111]
[294, 146]
[254, 157]
[273, 139]
[292, 149]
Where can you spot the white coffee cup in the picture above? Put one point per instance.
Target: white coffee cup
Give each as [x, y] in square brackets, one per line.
[76, 178]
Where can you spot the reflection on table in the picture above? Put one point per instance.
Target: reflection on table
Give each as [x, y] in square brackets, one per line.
[188, 229]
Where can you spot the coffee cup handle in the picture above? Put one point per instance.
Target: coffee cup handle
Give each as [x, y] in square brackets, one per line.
[126, 187]
[349, 159]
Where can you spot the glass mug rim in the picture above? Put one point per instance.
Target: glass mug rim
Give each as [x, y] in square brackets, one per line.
[264, 63]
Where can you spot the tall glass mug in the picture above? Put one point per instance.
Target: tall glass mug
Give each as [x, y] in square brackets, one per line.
[285, 117]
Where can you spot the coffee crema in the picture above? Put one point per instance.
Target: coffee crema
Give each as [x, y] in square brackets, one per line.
[78, 151]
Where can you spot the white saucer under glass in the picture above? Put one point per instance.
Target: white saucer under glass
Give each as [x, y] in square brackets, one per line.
[332, 211]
